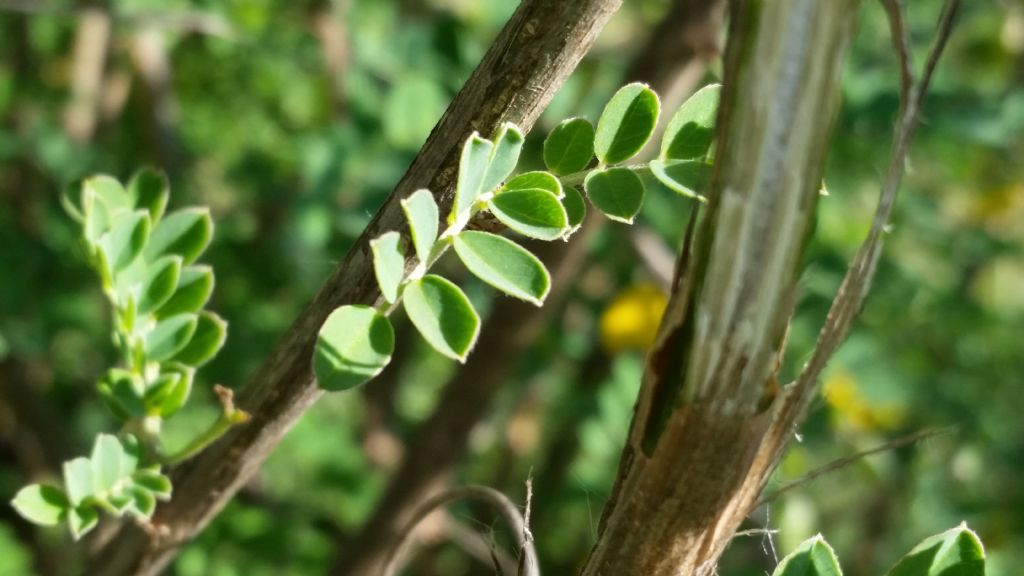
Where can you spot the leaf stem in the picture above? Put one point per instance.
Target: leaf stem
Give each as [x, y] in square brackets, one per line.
[230, 416]
[577, 178]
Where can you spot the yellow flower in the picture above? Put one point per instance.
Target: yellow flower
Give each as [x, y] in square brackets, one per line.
[631, 320]
[852, 407]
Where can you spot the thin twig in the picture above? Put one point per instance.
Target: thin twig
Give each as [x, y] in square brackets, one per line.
[858, 277]
[901, 42]
[846, 461]
[482, 494]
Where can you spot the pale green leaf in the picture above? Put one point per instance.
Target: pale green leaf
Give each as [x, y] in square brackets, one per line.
[149, 190]
[504, 264]
[184, 232]
[570, 146]
[207, 339]
[617, 192]
[154, 482]
[106, 462]
[108, 190]
[443, 315]
[535, 213]
[122, 392]
[688, 178]
[691, 129]
[473, 162]
[814, 557]
[539, 179]
[626, 123]
[125, 239]
[388, 263]
[955, 552]
[178, 393]
[41, 504]
[78, 480]
[421, 212]
[159, 283]
[507, 146]
[355, 343]
[195, 284]
[170, 336]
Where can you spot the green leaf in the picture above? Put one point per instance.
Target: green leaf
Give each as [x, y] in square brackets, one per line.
[109, 191]
[686, 177]
[81, 520]
[106, 462]
[570, 146]
[149, 190]
[814, 557]
[955, 552]
[143, 502]
[575, 208]
[154, 482]
[78, 480]
[131, 454]
[210, 333]
[122, 392]
[388, 263]
[473, 163]
[443, 315]
[507, 146]
[504, 264]
[539, 179]
[535, 213]
[355, 343]
[125, 239]
[185, 232]
[158, 390]
[626, 123]
[170, 336]
[689, 132]
[178, 393]
[195, 284]
[421, 212]
[617, 192]
[40, 504]
[159, 284]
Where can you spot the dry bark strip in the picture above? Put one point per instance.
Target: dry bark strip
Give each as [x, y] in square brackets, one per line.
[705, 403]
[532, 56]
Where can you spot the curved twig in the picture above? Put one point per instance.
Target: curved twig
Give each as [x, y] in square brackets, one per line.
[528, 555]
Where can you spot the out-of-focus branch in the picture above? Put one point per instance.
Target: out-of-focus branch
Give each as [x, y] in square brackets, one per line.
[92, 39]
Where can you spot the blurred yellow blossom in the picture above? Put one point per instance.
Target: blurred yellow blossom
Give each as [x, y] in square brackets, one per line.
[631, 320]
[853, 408]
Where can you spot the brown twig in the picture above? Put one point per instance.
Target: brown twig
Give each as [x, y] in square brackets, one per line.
[486, 495]
[847, 460]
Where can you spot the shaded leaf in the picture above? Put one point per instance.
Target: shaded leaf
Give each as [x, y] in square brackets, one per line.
[388, 263]
[504, 265]
[443, 315]
[691, 129]
[159, 284]
[570, 146]
[195, 284]
[81, 520]
[626, 123]
[421, 212]
[154, 482]
[122, 392]
[535, 213]
[617, 192]
[125, 239]
[355, 343]
[149, 190]
[178, 392]
[575, 208]
[687, 177]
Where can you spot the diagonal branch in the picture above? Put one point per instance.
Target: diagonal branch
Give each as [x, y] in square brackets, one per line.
[532, 56]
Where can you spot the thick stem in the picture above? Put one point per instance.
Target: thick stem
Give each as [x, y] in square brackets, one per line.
[533, 55]
[702, 411]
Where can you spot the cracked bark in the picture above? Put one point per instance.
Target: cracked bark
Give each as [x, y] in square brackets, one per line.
[532, 56]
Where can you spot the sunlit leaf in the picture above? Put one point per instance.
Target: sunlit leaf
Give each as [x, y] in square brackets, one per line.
[504, 264]
[41, 504]
[689, 132]
[955, 552]
[443, 315]
[106, 462]
[421, 212]
[473, 162]
[626, 123]
[78, 480]
[388, 263]
[538, 179]
[687, 177]
[170, 336]
[507, 146]
[195, 284]
[814, 557]
[209, 335]
[184, 232]
[535, 213]
[570, 146]
[159, 284]
[125, 239]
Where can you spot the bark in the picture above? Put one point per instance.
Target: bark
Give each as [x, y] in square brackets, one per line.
[702, 442]
[532, 56]
[439, 443]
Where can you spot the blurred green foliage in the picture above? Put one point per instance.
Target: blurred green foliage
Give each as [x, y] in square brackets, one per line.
[293, 121]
